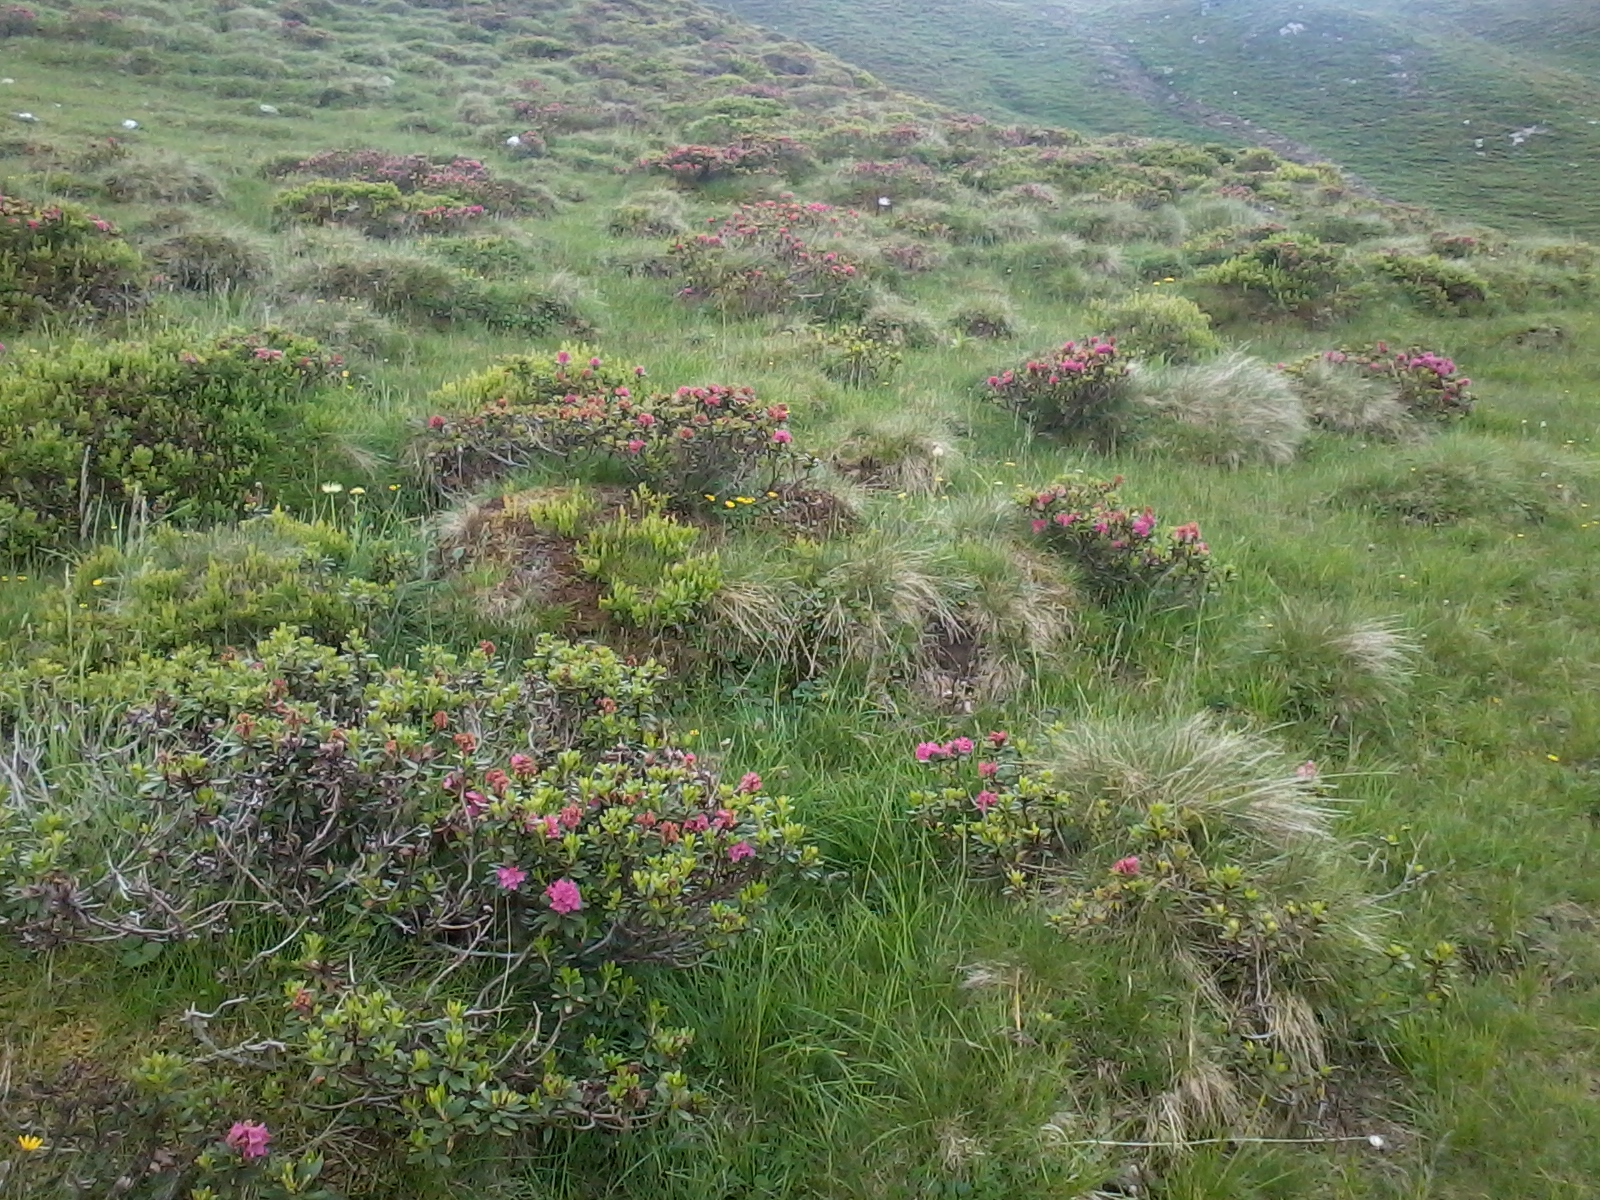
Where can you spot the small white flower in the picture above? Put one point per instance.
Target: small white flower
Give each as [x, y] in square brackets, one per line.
[331, 489]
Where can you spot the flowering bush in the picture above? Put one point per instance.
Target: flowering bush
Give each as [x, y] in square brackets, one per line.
[17, 20]
[684, 443]
[177, 427]
[465, 805]
[753, 154]
[1080, 390]
[1115, 547]
[1428, 385]
[59, 260]
[758, 262]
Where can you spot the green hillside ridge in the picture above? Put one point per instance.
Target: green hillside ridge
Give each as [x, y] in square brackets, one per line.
[1400, 93]
[596, 603]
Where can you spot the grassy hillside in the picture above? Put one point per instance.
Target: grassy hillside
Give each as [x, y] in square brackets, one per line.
[1401, 93]
[825, 789]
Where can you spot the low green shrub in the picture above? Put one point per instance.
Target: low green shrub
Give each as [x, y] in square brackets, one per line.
[645, 559]
[229, 586]
[573, 406]
[208, 260]
[1438, 285]
[1462, 479]
[59, 260]
[417, 815]
[1292, 275]
[1160, 325]
[1080, 390]
[855, 356]
[172, 427]
[1115, 548]
[164, 180]
[651, 213]
[376, 209]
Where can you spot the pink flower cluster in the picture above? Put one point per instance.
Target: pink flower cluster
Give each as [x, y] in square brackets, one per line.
[249, 1138]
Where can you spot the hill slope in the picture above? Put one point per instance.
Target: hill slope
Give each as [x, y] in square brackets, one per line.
[766, 722]
[1401, 93]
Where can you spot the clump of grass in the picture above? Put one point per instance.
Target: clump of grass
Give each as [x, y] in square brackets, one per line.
[992, 317]
[655, 212]
[1353, 402]
[1317, 661]
[1463, 478]
[1234, 410]
[210, 260]
[167, 179]
[906, 450]
[900, 323]
[347, 325]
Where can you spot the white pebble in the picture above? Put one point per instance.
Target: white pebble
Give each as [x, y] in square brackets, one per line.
[130, 124]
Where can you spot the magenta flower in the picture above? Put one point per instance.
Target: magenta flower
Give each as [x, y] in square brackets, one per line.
[988, 770]
[510, 878]
[564, 896]
[635, 445]
[594, 362]
[750, 784]
[563, 358]
[249, 1138]
[435, 422]
[476, 804]
[783, 437]
[1306, 770]
[740, 851]
[927, 751]
[985, 801]
[962, 745]
[1127, 867]
[522, 765]
[1039, 525]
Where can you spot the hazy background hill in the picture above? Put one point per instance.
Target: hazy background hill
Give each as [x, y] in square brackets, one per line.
[1487, 109]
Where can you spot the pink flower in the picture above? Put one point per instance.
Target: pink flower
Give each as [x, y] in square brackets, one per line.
[635, 445]
[783, 437]
[435, 422]
[249, 1138]
[740, 851]
[267, 354]
[1306, 770]
[988, 770]
[985, 801]
[510, 878]
[564, 896]
[1039, 526]
[750, 784]
[962, 745]
[927, 751]
[646, 419]
[594, 362]
[563, 358]
[476, 804]
[998, 738]
[1127, 867]
[522, 765]
[624, 393]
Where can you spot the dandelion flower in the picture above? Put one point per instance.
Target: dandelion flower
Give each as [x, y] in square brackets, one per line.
[29, 1143]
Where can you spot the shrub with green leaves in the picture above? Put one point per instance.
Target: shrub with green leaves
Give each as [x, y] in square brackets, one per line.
[1115, 547]
[1438, 285]
[174, 427]
[1160, 325]
[58, 260]
[419, 815]
[857, 357]
[1291, 274]
[208, 260]
[376, 209]
[1427, 385]
[1080, 390]
[645, 559]
[229, 586]
[526, 408]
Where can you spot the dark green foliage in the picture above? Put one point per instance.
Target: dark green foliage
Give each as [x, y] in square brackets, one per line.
[59, 260]
[173, 427]
[208, 260]
[1436, 284]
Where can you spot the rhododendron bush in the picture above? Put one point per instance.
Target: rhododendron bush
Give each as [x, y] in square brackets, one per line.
[572, 405]
[463, 181]
[1081, 389]
[1119, 549]
[1428, 385]
[59, 260]
[750, 155]
[524, 827]
[773, 256]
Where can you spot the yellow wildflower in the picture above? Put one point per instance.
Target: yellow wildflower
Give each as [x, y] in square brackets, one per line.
[29, 1143]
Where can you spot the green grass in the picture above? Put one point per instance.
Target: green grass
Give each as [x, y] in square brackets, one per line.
[899, 1031]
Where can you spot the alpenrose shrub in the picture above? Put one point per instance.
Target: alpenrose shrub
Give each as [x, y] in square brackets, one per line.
[766, 258]
[1291, 274]
[1118, 549]
[572, 405]
[175, 425]
[1082, 389]
[461, 181]
[1427, 384]
[61, 260]
[376, 209]
[753, 154]
[524, 825]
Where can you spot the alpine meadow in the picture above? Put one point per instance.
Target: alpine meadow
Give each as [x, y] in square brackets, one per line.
[598, 602]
